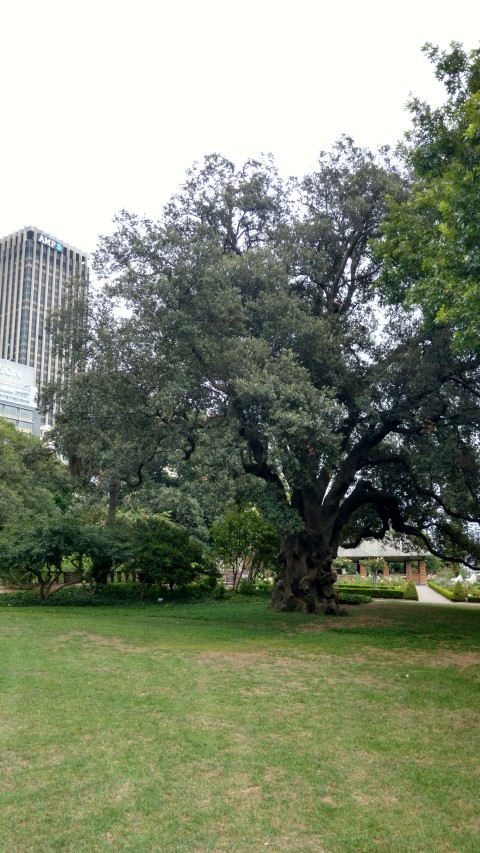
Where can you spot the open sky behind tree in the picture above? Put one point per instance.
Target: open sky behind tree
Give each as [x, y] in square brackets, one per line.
[105, 105]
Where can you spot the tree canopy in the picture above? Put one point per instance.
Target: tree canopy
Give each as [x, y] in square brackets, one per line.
[250, 349]
[34, 485]
[431, 248]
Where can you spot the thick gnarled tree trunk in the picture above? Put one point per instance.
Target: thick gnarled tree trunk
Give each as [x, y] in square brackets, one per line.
[306, 580]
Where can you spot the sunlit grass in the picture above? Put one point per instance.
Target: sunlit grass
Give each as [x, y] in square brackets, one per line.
[227, 727]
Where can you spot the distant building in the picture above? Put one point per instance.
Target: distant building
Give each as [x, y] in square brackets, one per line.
[34, 270]
[399, 557]
[18, 396]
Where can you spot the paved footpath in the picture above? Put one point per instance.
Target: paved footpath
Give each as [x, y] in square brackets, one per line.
[429, 596]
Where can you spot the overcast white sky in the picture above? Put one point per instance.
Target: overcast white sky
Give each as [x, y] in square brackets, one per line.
[105, 104]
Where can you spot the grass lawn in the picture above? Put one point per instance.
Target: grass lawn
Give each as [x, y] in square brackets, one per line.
[225, 727]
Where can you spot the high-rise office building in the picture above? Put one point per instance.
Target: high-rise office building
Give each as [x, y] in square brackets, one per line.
[34, 270]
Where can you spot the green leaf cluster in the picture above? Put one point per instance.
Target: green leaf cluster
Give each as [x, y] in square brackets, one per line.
[431, 239]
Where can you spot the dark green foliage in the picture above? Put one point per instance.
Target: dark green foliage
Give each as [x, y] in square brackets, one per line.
[379, 592]
[254, 588]
[34, 485]
[253, 363]
[431, 248]
[67, 597]
[38, 551]
[164, 553]
[113, 594]
[410, 591]
[353, 598]
[244, 542]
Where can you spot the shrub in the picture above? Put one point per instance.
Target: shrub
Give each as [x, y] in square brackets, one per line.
[379, 592]
[447, 593]
[410, 592]
[112, 594]
[459, 593]
[474, 596]
[353, 598]
[246, 587]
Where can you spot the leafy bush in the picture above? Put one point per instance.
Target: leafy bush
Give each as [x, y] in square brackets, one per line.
[379, 592]
[246, 587]
[459, 593]
[256, 587]
[353, 598]
[20, 598]
[410, 592]
[111, 594]
[474, 596]
[70, 596]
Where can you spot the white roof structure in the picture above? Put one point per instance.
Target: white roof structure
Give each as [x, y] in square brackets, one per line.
[388, 549]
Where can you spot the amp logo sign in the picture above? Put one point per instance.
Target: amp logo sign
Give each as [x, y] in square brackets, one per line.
[47, 241]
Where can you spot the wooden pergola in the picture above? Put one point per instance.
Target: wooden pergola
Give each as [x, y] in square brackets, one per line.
[390, 552]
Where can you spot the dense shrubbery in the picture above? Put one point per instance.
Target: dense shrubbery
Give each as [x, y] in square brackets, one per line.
[111, 594]
[378, 592]
[353, 598]
[257, 587]
[70, 596]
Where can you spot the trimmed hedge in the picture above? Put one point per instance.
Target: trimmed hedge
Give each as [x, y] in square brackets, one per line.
[62, 598]
[459, 593]
[111, 594]
[379, 592]
[353, 598]
[447, 593]
[410, 592]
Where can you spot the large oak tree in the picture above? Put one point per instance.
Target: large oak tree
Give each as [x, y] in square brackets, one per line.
[251, 340]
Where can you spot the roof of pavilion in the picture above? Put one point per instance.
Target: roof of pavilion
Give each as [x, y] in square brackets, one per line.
[388, 549]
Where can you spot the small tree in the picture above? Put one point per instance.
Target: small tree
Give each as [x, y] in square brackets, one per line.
[164, 553]
[244, 541]
[410, 591]
[39, 552]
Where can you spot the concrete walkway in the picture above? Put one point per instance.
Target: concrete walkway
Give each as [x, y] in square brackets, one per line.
[429, 596]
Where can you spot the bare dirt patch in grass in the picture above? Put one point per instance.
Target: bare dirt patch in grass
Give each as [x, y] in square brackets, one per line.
[238, 657]
[116, 643]
[440, 658]
[364, 620]
[447, 658]
[121, 793]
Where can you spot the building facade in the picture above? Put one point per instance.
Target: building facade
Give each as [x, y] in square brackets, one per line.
[34, 271]
[18, 396]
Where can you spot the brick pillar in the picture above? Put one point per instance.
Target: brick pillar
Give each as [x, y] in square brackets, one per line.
[408, 569]
[422, 572]
[363, 571]
[385, 569]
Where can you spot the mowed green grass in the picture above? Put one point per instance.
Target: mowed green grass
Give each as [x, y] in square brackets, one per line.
[226, 727]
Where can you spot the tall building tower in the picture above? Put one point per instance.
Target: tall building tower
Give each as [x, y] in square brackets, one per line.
[34, 270]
